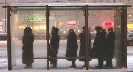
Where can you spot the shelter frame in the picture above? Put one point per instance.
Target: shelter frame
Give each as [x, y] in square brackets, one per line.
[86, 7]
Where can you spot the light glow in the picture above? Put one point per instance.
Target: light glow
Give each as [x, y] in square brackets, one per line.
[119, 26]
[108, 23]
[78, 30]
[64, 31]
[130, 15]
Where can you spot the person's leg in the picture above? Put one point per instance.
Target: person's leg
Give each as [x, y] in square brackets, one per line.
[55, 63]
[51, 62]
[108, 63]
[28, 64]
[100, 60]
[73, 64]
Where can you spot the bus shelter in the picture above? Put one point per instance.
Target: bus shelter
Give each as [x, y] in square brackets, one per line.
[42, 18]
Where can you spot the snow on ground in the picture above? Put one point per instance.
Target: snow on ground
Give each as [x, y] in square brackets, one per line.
[40, 64]
[62, 66]
[3, 63]
[62, 63]
[68, 70]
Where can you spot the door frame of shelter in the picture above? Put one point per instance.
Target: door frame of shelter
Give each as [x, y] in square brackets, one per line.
[9, 38]
[86, 36]
[124, 39]
[47, 35]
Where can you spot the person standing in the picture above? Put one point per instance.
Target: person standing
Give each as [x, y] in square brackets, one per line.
[110, 47]
[54, 45]
[27, 41]
[100, 44]
[82, 51]
[72, 46]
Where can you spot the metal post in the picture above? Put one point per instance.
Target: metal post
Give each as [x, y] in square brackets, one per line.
[9, 38]
[5, 20]
[86, 35]
[47, 34]
[125, 36]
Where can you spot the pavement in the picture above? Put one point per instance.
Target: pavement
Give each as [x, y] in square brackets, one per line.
[38, 65]
[67, 70]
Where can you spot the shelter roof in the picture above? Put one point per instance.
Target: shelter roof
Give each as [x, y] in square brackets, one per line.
[68, 4]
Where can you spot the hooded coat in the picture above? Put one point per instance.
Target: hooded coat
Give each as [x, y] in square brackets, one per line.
[72, 46]
[82, 51]
[54, 42]
[100, 42]
[110, 44]
[27, 41]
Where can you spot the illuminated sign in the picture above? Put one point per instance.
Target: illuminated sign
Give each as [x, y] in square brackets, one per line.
[72, 23]
[108, 23]
[36, 18]
[61, 23]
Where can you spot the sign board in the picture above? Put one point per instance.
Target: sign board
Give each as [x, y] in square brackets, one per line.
[72, 23]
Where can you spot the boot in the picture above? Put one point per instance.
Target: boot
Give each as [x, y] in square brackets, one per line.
[55, 64]
[100, 63]
[28, 65]
[108, 63]
[73, 65]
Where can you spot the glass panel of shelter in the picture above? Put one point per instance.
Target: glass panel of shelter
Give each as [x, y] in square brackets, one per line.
[106, 19]
[64, 24]
[68, 22]
[28, 38]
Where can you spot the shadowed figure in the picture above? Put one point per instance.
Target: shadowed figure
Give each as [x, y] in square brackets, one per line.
[110, 48]
[100, 44]
[82, 51]
[54, 45]
[27, 41]
[72, 46]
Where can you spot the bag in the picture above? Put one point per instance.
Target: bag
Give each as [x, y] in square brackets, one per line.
[93, 52]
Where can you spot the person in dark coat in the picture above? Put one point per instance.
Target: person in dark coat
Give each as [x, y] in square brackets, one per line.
[54, 45]
[27, 41]
[100, 44]
[72, 46]
[82, 51]
[110, 47]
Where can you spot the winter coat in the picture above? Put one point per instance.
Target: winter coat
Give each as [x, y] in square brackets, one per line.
[27, 54]
[82, 51]
[110, 44]
[100, 42]
[54, 43]
[72, 46]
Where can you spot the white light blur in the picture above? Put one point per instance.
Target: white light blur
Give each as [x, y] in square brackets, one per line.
[64, 31]
[130, 15]
[78, 30]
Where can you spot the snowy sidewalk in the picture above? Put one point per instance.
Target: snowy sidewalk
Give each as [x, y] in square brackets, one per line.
[38, 66]
[3, 63]
[67, 70]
